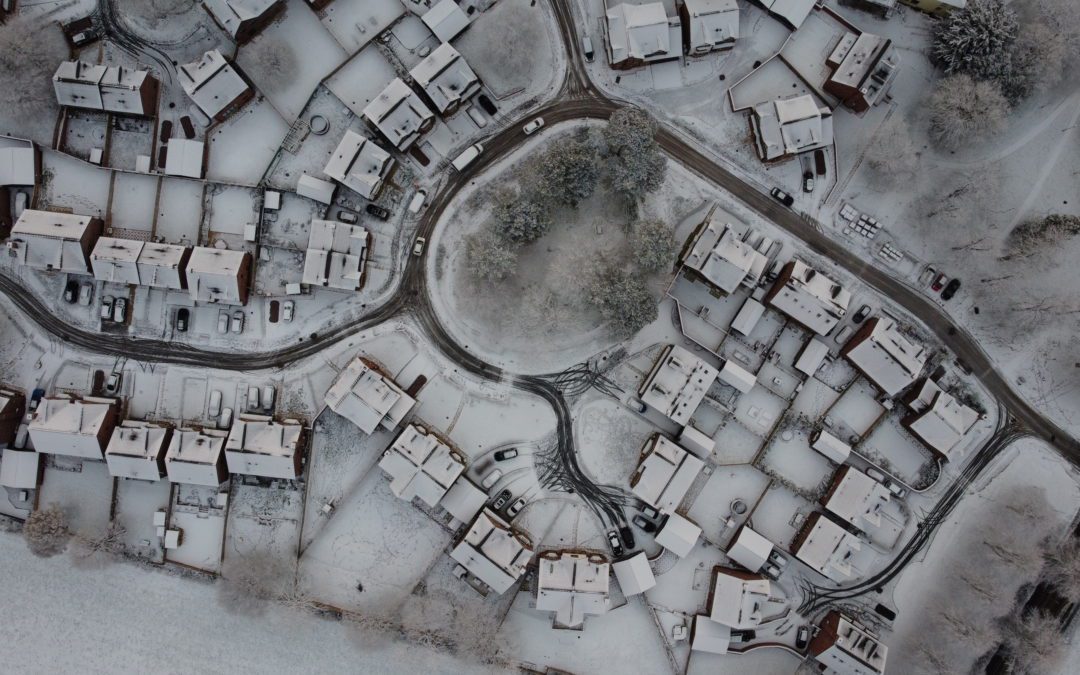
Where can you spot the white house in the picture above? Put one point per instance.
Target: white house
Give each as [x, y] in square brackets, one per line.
[664, 474]
[791, 13]
[214, 85]
[258, 445]
[114, 89]
[830, 446]
[218, 276]
[641, 34]
[572, 585]
[493, 552]
[20, 469]
[185, 157]
[709, 636]
[749, 549]
[360, 165]
[197, 457]
[420, 464]
[856, 499]
[887, 358]
[677, 384]
[58, 242]
[79, 427]
[137, 450]
[808, 297]
[678, 535]
[336, 255]
[243, 19]
[709, 25]
[318, 189]
[735, 375]
[463, 500]
[739, 600]
[811, 357]
[938, 419]
[789, 126]
[845, 647]
[719, 256]
[446, 20]
[367, 398]
[446, 79]
[634, 574]
[163, 265]
[827, 548]
[116, 260]
[399, 114]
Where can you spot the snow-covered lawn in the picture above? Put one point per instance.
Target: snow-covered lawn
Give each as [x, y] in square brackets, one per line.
[133, 197]
[73, 183]
[242, 147]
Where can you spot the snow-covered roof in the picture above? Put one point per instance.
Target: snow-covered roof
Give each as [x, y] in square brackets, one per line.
[54, 241]
[677, 384]
[713, 23]
[196, 457]
[866, 64]
[232, 15]
[722, 258]
[19, 469]
[811, 357]
[846, 648]
[258, 445]
[136, 450]
[737, 376]
[115, 260]
[18, 165]
[463, 500]
[421, 465]
[943, 424]
[748, 316]
[857, 499]
[162, 265]
[218, 275]
[360, 165]
[212, 83]
[399, 114]
[572, 585]
[642, 32]
[697, 442]
[184, 157]
[790, 12]
[78, 84]
[362, 395]
[446, 19]
[885, 356]
[315, 188]
[708, 636]
[72, 426]
[678, 535]
[809, 297]
[830, 446]
[789, 126]
[750, 549]
[336, 255]
[122, 90]
[446, 78]
[493, 552]
[827, 548]
[664, 474]
[635, 575]
[738, 599]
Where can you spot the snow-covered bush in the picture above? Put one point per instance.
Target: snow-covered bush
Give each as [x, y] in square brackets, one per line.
[520, 217]
[623, 299]
[489, 257]
[653, 243]
[963, 109]
[46, 531]
[977, 39]
[636, 166]
[567, 173]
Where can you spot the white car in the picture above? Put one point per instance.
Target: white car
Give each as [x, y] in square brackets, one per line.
[417, 202]
[253, 398]
[268, 396]
[223, 322]
[491, 479]
[106, 307]
[120, 310]
[86, 293]
[418, 247]
[226, 419]
[214, 409]
[238, 322]
[287, 309]
[477, 116]
[534, 126]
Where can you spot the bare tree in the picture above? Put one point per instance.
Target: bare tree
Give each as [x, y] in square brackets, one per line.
[94, 548]
[963, 109]
[892, 152]
[1063, 568]
[1032, 236]
[1035, 643]
[653, 243]
[46, 531]
[489, 257]
[250, 582]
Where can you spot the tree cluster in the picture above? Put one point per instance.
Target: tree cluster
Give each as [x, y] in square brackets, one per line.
[46, 531]
[249, 583]
[1032, 236]
[622, 297]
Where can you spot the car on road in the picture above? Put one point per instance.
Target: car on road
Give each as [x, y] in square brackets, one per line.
[534, 126]
[223, 322]
[501, 500]
[287, 309]
[86, 293]
[503, 455]
[516, 507]
[614, 543]
[418, 247]
[467, 157]
[802, 637]
[71, 292]
[939, 282]
[183, 315]
[643, 524]
[106, 307]
[782, 197]
[492, 478]
[120, 310]
[238, 321]
[377, 211]
[950, 290]
[112, 385]
[808, 182]
[417, 201]
[214, 408]
[861, 315]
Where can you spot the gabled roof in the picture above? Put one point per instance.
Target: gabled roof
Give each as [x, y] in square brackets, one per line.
[446, 19]
[639, 32]
[421, 465]
[366, 398]
[359, 164]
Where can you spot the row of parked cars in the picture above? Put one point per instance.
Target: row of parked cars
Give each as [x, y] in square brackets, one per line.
[255, 403]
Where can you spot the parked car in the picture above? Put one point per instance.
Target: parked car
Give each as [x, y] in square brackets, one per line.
[745, 635]
[627, 535]
[516, 507]
[120, 310]
[771, 570]
[86, 293]
[808, 182]
[477, 115]
[844, 334]
[268, 394]
[166, 131]
[347, 217]
[214, 409]
[71, 292]
[183, 315]
[106, 307]
[238, 321]
[503, 455]
[253, 398]
[950, 290]
[287, 309]
[586, 48]
[501, 500]
[778, 559]
[861, 315]
[645, 525]
[492, 478]
[927, 275]
[417, 201]
[35, 399]
[486, 104]
[226, 419]
[637, 404]
[377, 211]
[189, 128]
[875, 474]
[939, 282]
[802, 637]
[21, 202]
[648, 511]
[223, 322]
[896, 489]
[112, 385]
[614, 543]
[418, 247]
[534, 126]
[782, 197]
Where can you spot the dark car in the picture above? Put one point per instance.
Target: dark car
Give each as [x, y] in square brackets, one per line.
[377, 211]
[501, 500]
[503, 455]
[486, 104]
[187, 126]
[802, 637]
[782, 197]
[616, 545]
[646, 526]
[627, 535]
[166, 131]
[35, 399]
[182, 317]
[950, 290]
[861, 315]
[71, 292]
[743, 635]
[819, 162]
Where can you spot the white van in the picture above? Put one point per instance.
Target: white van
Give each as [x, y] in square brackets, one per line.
[417, 202]
[466, 158]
